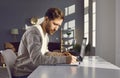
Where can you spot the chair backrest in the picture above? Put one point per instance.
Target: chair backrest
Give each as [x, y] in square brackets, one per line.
[9, 58]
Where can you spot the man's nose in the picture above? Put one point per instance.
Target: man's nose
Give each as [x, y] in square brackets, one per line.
[56, 28]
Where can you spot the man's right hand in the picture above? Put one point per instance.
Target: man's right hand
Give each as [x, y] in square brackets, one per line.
[71, 59]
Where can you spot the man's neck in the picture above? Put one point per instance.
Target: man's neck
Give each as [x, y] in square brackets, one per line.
[43, 27]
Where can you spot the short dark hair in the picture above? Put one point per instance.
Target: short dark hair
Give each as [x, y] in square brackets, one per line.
[53, 13]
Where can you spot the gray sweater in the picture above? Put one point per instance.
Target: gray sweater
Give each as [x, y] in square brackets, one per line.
[30, 55]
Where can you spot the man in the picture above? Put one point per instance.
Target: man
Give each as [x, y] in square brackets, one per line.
[33, 47]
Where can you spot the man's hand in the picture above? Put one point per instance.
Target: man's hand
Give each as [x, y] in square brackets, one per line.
[71, 59]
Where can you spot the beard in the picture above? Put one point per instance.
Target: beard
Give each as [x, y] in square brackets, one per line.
[49, 31]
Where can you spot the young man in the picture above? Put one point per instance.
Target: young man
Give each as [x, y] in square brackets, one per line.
[33, 45]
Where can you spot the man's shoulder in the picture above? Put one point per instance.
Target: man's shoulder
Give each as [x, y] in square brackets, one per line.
[33, 29]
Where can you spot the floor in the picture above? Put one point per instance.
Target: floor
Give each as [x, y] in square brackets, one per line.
[3, 72]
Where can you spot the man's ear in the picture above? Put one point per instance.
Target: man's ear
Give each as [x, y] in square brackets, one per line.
[46, 19]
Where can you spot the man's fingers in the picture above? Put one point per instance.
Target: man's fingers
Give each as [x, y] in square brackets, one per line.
[74, 59]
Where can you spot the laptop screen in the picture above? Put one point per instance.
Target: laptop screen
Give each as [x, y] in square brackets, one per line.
[82, 51]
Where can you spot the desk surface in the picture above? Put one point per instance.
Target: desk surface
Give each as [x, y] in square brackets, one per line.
[91, 70]
[97, 62]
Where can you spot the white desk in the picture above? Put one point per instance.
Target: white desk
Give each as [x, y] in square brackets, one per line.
[97, 62]
[89, 68]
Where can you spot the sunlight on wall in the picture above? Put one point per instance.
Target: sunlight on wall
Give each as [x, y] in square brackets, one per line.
[69, 25]
[86, 20]
[69, 10]
[86, 3]
[94, 25]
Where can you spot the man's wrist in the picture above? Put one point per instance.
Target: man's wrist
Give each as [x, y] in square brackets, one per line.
[68, 59]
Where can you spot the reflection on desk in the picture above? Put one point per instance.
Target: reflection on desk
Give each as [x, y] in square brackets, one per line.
[91, 70]
[97, 62]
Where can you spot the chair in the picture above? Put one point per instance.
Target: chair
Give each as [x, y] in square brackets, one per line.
[9, 59]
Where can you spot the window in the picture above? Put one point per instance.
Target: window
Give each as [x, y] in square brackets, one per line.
[90, 26]
[86, 20]
[94, 24]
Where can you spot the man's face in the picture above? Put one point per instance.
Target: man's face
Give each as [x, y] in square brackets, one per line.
[53, 25]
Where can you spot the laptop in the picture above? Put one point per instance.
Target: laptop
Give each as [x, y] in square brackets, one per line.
[80, 57]
[82, 52]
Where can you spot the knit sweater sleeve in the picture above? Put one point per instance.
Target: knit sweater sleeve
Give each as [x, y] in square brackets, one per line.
[34, 43]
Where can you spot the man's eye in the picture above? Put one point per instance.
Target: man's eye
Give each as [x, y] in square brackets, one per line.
[55, 24]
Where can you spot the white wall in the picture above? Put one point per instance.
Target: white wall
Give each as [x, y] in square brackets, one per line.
[106, 25]
[118, 32]
[108, 30]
